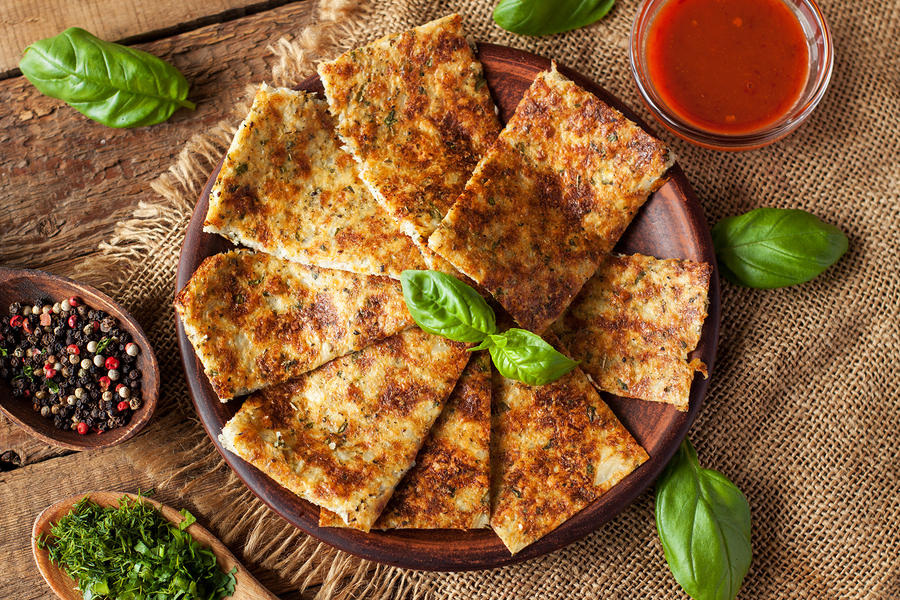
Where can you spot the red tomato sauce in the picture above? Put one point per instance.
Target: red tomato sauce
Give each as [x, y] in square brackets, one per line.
[728, 66]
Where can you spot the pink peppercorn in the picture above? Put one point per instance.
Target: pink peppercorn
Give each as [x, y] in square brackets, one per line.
[16, 321]
[27, 327]
[112, 363]
[122, 406]
[49, 372]
[82, 428]
[74, 301]
[96, 326]
[73, 321]
[104, 382]
[73, 349]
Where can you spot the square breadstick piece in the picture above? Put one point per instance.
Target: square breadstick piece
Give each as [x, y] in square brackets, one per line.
[415, 111]
[344, 435]
[255, 320]
[287, 188]
[550, 199]
[635, 322]
[449, 488]
[555, 449]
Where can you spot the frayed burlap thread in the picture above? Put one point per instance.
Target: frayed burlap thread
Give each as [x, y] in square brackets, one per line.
[803, 409]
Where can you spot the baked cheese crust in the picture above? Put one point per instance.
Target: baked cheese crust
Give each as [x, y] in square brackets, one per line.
[287, 188]
[550, 199]
[256, 320]
[555, 449]
[344, 435]
[415, 110]
[634, 323]
[449, 488]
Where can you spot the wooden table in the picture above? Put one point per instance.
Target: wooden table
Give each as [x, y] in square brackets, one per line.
[66, 181]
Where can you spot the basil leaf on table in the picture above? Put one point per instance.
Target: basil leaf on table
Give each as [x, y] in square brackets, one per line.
[703, 522]
[443, 305]
[526, 357]
[540, 17]
[775, 247]
[112, 84]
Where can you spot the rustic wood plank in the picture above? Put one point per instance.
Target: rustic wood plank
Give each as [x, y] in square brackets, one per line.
[28, 449]
[65, 181]
[25, 21]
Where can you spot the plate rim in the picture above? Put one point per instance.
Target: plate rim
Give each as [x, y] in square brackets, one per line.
[367, 545]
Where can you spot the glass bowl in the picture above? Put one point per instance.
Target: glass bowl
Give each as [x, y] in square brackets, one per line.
[821, 60]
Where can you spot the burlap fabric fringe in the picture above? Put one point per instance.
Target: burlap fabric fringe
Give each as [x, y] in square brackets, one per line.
[802, 412]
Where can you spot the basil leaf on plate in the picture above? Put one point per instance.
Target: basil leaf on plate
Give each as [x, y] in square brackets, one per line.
[775, 247]
[540, 17]
[443, 305]
[703, 522]
[526, 357]
[112, 84]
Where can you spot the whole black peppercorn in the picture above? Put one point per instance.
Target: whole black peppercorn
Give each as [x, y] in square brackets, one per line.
[15, 308]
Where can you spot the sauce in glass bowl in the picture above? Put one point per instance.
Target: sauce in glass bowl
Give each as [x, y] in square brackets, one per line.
[729, 66]
[731, 74]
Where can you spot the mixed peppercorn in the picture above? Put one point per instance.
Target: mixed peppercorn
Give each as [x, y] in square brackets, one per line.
[75, 364]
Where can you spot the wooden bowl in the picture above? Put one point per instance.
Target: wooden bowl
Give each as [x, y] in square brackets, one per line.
[246, 588]
[670, 225]
[28, 285]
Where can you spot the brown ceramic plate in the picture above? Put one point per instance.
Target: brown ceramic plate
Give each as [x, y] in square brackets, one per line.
[27, 285]
[670, 225]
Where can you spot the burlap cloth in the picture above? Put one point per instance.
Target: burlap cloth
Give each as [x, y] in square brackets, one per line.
[802, 411]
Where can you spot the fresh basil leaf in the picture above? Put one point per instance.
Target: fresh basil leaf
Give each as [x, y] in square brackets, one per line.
[445, 306]
[112, 84]
[526, 357]
[703, 522]
[540, 17]
[775, 247]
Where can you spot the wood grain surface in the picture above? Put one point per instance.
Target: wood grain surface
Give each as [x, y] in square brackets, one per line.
[65, 182]
[124, 21]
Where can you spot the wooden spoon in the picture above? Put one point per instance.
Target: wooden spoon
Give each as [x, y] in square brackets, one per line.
[247, 587]
[28, 285]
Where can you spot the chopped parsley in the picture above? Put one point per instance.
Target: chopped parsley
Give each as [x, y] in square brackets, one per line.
[133, 552]
[391, 118]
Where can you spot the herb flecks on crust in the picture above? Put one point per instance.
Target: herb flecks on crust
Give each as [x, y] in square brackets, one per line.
[550, 199]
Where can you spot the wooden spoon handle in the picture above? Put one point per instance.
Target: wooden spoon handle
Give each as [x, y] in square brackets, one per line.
[247, 587]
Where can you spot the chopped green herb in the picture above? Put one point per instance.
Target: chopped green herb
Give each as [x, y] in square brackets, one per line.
[480, 82]
[102, 344]
[51, 385]
[28, 372]
[132, 552]
[391, 118]
[241, 169]
[257, 281]
[592, 413]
